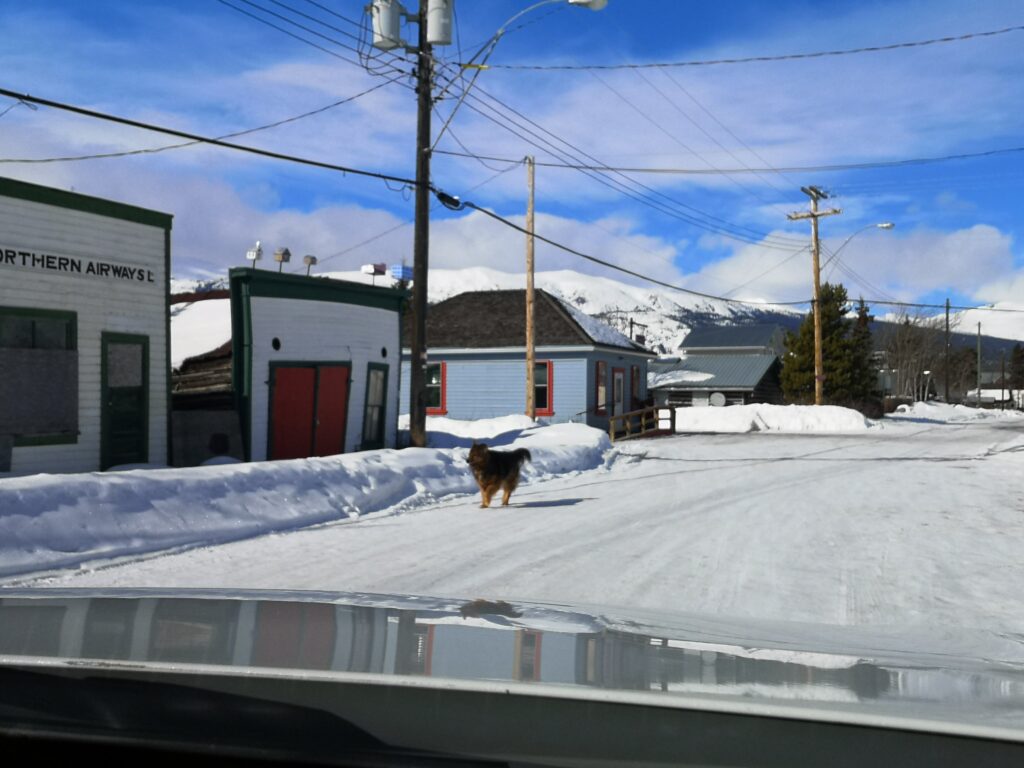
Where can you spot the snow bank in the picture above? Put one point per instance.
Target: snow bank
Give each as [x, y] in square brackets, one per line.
[944, 413]
[61, 521]
[761, 417]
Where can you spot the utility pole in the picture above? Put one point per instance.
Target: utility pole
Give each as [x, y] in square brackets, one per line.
[814, 214]
[947, 351]
[421, 238]
[531, 405]
[979, 365]
[1002, 385]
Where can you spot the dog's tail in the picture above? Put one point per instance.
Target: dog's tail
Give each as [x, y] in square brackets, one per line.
[522, 455]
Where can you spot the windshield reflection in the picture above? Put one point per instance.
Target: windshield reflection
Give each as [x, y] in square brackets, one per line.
[288, 634]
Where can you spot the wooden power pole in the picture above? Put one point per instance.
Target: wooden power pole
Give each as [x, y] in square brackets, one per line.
[421, 239]
[531, 405]
[946, 388]
[814, 214]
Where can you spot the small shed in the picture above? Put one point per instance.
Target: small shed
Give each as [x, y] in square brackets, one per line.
[315, 363]
[716, 379]
[311, 369]
[585, 370]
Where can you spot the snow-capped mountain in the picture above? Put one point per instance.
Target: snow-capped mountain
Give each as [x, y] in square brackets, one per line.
[663, 316]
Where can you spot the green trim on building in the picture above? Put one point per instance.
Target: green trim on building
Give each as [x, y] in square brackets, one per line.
[23, 190]
[108, 337]
[241, 358]
[55, 314]
[31, 441]
[167, 342]
[262, 282]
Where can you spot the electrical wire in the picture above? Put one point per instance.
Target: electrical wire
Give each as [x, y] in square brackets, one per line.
[154, 150]
[781, 264]
[397, 227]
[671, 207]
[203, 139]
[752, 59]
[388, 64]
[456, 204]
[778, 169]
[645, 114]
[672, 79]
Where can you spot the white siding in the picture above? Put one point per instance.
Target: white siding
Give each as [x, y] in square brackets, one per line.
[101, 304]
[323, 331]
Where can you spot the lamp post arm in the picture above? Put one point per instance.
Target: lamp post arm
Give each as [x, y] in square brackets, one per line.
[488, 48]
[835, 253]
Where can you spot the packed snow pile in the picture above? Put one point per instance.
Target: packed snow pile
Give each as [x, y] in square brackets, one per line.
[944, 413]
[762, 417]
[61, 521]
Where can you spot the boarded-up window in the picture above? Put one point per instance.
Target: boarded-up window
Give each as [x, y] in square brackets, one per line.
[38, 373]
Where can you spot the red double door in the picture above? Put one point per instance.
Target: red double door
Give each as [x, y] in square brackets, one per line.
[308, 407]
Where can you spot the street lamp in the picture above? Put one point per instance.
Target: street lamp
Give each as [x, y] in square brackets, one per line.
[880, 225]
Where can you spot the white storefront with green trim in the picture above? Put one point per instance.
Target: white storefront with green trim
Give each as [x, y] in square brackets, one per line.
[84, 355]
[315, 364]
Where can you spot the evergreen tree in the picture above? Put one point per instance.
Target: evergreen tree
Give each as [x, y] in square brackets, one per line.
[1016, 368]
[849, 376]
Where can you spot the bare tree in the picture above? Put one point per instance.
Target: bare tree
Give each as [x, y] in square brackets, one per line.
[915, 350]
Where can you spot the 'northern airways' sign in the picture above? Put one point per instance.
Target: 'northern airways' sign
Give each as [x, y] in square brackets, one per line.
[74, 265]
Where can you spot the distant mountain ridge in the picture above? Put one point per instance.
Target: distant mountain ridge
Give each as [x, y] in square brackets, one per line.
[663, 316]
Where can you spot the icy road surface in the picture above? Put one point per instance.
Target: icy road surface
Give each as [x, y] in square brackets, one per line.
[923, 525]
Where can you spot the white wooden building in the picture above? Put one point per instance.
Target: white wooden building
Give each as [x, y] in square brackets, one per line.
[315, 364]
[83, 331]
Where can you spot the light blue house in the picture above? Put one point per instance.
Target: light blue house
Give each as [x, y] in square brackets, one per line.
[476, 353]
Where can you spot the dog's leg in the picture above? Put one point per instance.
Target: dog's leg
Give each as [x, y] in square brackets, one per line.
[510, 485]
[488, 493]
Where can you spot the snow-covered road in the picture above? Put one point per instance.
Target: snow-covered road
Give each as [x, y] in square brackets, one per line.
[917, 526]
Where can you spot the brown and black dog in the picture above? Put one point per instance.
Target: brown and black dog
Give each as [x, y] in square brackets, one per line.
[496, 469]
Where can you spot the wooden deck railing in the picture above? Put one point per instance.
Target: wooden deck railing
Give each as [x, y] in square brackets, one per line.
[646, 421]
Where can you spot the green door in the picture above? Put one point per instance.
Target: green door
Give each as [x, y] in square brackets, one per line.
[124, 374]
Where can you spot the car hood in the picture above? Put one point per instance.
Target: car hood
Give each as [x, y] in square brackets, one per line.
[919, 678]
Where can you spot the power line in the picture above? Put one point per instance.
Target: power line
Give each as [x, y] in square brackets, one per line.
[723, 126]
[941, 306]
[769, 169]
[284, 31]
[647, 116]
[397, 227]
[768, 271]
[455, 204]
[751, 59]
[707, 222]
[204, 139]
[154, 150]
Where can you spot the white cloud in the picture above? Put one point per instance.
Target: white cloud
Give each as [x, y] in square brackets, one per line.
[903, 266]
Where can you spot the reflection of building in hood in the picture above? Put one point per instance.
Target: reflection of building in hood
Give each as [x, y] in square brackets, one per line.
[529, 644]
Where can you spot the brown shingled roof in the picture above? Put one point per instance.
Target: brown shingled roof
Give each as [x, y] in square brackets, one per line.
[482, 319]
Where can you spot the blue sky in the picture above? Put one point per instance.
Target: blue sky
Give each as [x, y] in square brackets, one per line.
[205, 67]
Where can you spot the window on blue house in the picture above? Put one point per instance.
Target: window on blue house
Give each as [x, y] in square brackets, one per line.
[543, 388]
[436, 375]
